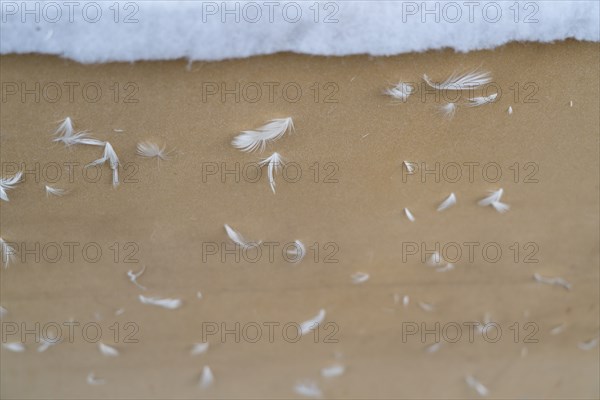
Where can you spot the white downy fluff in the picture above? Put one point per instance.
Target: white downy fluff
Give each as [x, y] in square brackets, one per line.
[257, 139]
[199, 294]
[298, 252]
[110, 156]
[433, 348]
[8, 253]
[400, 92]
[3, 312]
[448, 110]
[238, 239]
[54, 191]
[510, 110]
[479, 101]
[313, 323]
[426, 306]
[409, 215]
[410, 167]
[588, 345]
[207, 378]
[461, 81]
[405, 300]
[333, 371]
[476, 385]
[16, 347]
[199, 348]
[558, 329]
[449, 202]
[9, 184]
[149, 149]
[308, 389]
[92, 380]
[552, 281]
[359, 277]
[107, 350]
[133, 277]
[274, 164]
[170, 304]
[46, 344]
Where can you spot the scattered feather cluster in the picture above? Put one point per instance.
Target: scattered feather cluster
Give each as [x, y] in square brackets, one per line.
[66, 134]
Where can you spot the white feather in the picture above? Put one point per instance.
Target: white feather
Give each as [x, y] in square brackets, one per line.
[426, 306]
[207, 378]
[333, 371]
[238, 239]
[107, 350]
[16, 347]
[558, 329]
[510, 110]
[3, 312]
[494, 197]
[359, 277]
[500, 207]
[313, 323]
[8, 253]
[274, 164]
[298, 252]
[66, 134]
[65, 128]
[552, 281]
[448, 267]
[92, 380]
[433, 348]
[449, 202]
[111, 156]
[133, 276]
[308, 389]
[199, 348]
[257, 139]
[405, 300]
[461, 81]
[46, 344]
[435, 260]
[588, 345]
[410, 167]
[409, 215]
[476, 385]
[400, 92]
[448, 110]
[149, 149]
[479, 101]
[54, 191]
[9, 184]
[170, 304]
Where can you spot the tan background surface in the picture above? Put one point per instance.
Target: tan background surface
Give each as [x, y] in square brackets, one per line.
[170, 212]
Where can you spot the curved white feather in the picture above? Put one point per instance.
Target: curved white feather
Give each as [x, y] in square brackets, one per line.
[257, 139]
[461, 81]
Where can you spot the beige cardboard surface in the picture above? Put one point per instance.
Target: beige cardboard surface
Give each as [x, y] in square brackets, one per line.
[349, 145]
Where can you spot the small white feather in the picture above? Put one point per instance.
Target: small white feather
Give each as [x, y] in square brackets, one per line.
[92, 380]
[449, 202]
[558, 329]
[111, 156]
[410, 167]
[409, 215]
[149, 149]
[134, 276]
[199, 348]
[500, 207]
[9, 184]
[298, 252]
[8, 253]
[107, 350]
[588, 345]
[170, 304]
[312, 323]
[400, 91]
[333, 371]
[54, 191]
[448, 110]
[552, 281]
[207, 378]
[494, 197]
[433, 348]
[16, 347]
[257, 139]
[359, 277]
[479, 101]
[510, 110]
[405, 301]
[46, 344]
[308, 389]
[447, 267]
[274, 164]
[426, 306]
[3, 312]
[476, 385]
[461, 81]
[238, 239]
